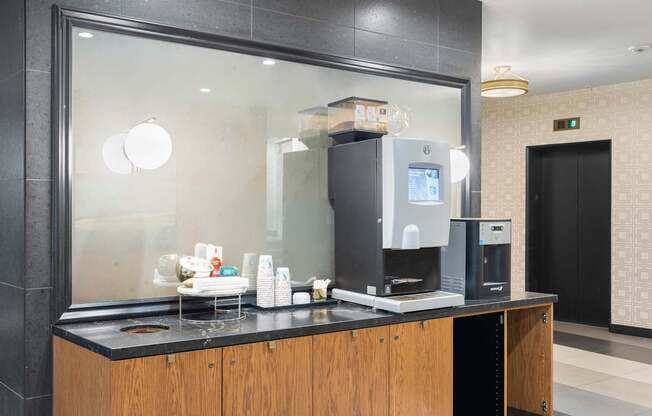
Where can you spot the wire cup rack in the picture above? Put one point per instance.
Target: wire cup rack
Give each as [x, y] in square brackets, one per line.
[217, 315]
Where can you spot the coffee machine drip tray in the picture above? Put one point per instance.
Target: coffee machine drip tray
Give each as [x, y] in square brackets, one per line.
[402, 303]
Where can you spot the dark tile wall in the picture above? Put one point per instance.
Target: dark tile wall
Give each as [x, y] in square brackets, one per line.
[435, 35]
[12, 207]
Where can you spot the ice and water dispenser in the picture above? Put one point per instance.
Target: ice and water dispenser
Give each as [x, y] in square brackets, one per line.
[476, 262]
[391, 198]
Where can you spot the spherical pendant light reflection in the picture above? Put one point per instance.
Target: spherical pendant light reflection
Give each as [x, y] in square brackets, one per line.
[460, 165]
[148, 146]
[113, 154]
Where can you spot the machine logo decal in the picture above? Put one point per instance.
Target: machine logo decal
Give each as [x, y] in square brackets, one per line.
[426, 149]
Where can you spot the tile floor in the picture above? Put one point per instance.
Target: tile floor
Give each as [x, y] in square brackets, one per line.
[598, 373]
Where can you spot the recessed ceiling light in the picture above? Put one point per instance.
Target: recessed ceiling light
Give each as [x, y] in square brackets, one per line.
[269, 62]
[205, 90]
[639, 48]
[86, 35]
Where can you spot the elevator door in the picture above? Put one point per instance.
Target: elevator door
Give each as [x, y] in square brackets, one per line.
[569, 228]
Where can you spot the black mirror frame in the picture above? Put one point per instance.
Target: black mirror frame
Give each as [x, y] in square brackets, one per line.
[63, 22]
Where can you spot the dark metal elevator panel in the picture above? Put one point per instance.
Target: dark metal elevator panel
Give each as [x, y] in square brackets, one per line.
[569, 228]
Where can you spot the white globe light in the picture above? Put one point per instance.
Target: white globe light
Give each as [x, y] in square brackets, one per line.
[113, 153]
[459, 165]
[148, 146]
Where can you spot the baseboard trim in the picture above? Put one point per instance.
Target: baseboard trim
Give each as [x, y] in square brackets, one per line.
[631, 330]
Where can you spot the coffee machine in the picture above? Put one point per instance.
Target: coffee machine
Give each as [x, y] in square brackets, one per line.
[476, 262]
[391, 201]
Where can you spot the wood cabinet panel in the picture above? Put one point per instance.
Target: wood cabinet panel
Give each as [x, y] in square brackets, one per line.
[170, 385]
[185, 384]
[421, 368]
[529, 359]
[351, 373]
[81, 381]
[135, 391]
[192, 376]
[268, 378]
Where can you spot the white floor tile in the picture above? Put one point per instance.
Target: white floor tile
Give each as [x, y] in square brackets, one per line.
[560, 352]
[623, 389]
[576, 402]
[644, 376]
[598, 362]
[571, 375]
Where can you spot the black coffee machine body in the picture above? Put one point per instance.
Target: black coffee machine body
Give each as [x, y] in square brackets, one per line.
[477, 261]
[391, 200]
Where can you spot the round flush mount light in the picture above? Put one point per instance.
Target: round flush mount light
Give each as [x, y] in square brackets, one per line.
[505, 84]
[460, 165]
[85, 35]
[636, 49]
[148, 146]
[204, 90]
[269, 62]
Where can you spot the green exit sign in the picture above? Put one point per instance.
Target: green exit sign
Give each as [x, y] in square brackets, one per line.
[567, 124]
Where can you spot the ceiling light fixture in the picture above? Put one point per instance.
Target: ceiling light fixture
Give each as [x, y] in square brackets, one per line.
[636, 49]
[505, 84]
[205, 90]
[86, 35]
[269, 62]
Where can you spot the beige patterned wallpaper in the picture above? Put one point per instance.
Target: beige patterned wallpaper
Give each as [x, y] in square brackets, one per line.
[622, 113]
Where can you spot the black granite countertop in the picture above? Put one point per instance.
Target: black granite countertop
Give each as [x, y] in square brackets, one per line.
[106, 338]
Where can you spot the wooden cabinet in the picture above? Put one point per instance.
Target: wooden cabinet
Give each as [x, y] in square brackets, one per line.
[268, 378]
[529, 360]
[421, 368]
[351, 373]
[166, 385]
[398, 370]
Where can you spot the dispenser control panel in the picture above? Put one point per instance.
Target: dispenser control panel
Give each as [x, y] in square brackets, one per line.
[415, 193]
[423, 184]
[494, 233]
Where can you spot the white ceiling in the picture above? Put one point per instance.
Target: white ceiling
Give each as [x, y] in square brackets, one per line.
[562, 45]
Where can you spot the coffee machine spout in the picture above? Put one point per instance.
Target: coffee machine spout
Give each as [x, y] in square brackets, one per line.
[410, 240]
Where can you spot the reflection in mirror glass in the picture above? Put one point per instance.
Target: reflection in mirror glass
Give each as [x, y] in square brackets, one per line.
[177, 145]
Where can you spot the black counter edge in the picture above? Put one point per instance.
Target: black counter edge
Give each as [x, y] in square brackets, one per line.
[130, 352]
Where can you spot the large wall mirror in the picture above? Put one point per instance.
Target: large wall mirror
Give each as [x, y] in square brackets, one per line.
[171, 144]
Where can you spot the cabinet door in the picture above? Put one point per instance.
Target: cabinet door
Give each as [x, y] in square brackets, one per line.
[268, 378]
[185, 384]
[529, 360]
[350, 375]
[421, 368]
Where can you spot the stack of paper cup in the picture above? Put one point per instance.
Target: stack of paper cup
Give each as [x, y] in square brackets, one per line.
[265, 282]
[250, 268]
[282, 287]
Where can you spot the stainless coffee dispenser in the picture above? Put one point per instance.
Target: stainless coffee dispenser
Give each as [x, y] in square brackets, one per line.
[476, 262]
[391, 201]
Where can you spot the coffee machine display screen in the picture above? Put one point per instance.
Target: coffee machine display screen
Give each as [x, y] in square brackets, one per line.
[423, 184]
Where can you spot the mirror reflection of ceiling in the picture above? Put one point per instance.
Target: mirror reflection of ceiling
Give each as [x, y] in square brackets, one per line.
[155, 70]
[247, 171]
